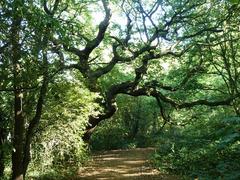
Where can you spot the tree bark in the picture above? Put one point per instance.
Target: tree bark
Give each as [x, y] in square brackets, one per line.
[36, 119]
[18, 134]
[17, 153]
[2, 164]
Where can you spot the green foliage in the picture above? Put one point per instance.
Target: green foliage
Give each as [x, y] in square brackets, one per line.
[234, 1]
[58, 147]
[5, 131]
[207, 150]
[190, 50]
[110, 135]
[134, 125]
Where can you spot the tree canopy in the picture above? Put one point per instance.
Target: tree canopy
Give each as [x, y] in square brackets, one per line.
[71, 63]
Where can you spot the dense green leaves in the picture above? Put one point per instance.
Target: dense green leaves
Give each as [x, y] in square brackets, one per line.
[66, 66]
[209, 153]
[58, 141]
[134, 125]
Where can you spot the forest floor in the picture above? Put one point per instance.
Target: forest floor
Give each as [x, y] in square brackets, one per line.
[122, 164]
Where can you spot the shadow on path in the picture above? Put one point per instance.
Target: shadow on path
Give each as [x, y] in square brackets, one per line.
[122, 164]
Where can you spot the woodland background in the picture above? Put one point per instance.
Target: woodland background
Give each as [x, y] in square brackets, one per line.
[86, 75]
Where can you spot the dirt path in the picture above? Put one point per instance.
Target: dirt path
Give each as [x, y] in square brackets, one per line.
[122, 164]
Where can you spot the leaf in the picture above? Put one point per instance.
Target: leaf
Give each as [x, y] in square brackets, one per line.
[229, 139]
[234, 1]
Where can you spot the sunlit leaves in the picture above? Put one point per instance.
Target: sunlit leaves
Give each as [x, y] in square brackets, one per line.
[64, 119]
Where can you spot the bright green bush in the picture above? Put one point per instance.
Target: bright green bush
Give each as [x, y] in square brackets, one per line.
[58, 149]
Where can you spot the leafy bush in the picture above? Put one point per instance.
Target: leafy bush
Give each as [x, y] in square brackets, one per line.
[208, 150]
[132, 126]
[110, 135]
[58, 148]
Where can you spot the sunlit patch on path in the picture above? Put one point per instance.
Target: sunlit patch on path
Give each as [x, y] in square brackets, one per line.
[122, 164]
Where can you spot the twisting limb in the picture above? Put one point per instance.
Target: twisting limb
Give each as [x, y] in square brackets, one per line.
[124, 51]
[52, 11]
[129, 88]
[166, 119]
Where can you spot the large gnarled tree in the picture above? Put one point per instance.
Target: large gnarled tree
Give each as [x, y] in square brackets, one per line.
[45, 38]
[154, 30]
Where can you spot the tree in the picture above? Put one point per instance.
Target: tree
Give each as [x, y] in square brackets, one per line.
[40, 39]
[24, 57]
[180, 29]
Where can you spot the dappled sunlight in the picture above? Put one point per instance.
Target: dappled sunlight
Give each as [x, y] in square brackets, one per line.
[112, 158]
[134, 162]
[121, 164]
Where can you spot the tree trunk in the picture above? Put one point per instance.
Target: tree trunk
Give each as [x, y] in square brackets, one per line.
[17, 153]
[2, 164]
[18, 133]
[36, 119]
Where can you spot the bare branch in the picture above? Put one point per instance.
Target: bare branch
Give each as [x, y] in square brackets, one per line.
[91, 45]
